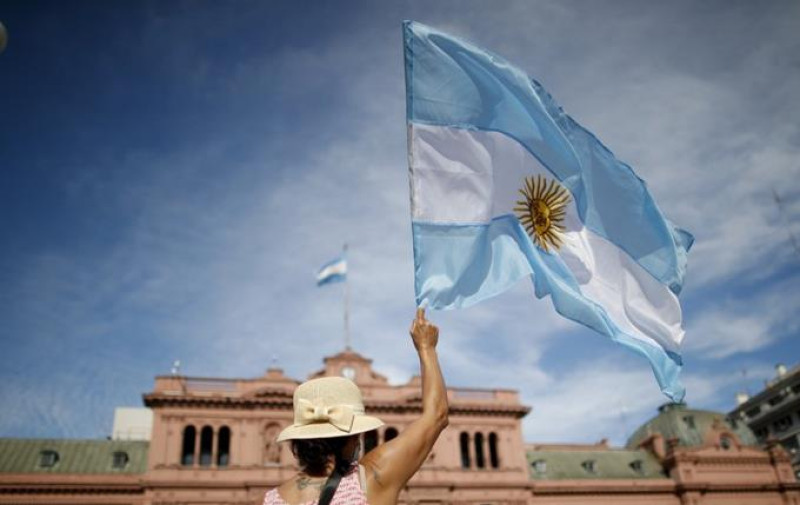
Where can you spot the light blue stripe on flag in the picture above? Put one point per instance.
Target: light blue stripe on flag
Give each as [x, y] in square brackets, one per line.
[450, 82]
[333, 271]
[459, 265]
[479, 126]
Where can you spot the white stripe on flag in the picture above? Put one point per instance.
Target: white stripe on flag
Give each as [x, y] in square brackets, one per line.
[486, 170]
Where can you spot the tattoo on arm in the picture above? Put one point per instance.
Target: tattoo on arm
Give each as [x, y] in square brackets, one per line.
[377, 476]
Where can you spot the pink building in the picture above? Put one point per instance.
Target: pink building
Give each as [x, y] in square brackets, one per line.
[212, 442]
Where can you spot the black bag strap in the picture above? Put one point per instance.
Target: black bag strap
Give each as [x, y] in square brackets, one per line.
[326, 495]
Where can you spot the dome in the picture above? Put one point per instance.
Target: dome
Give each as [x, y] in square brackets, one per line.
[688, 426]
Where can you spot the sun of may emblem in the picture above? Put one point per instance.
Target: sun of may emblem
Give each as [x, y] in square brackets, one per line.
[542, 210]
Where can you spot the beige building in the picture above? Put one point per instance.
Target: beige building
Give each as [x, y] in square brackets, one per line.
[774, 412]
[212, 442]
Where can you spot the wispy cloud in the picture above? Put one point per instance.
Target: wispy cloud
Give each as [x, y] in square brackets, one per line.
[733, 326]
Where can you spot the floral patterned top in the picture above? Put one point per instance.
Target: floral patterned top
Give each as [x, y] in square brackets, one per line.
[348, 492]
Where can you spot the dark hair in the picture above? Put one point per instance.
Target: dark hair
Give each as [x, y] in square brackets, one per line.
[313, 454]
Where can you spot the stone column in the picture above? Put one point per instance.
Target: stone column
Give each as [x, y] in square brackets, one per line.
[214, 445]
[487, 456]
[473, 455]
[196, 458]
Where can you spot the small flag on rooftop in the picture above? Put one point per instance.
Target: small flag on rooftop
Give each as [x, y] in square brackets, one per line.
[333, 271]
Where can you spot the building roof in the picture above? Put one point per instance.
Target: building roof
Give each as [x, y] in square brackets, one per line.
[275, 391]
[600, 463]
[73, 456]
[771, 399]
[688, 427]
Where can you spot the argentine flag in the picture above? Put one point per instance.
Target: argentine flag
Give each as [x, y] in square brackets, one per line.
[505, 185]
[333, 271]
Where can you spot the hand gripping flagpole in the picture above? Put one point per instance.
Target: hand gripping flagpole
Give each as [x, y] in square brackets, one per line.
[346, 304]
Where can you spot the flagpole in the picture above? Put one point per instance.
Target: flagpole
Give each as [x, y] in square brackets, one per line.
[346, 303]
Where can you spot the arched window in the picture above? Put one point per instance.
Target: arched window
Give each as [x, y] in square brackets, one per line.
[494, 459]
[272, 451]
[389, 434]
[464, 442]
[223, 446]
[187, 447]
[206, 440]
[370, 440]
[479, 462]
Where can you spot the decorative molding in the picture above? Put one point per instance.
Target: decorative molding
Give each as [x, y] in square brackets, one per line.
[227, 402]
[71, 489]
[252, 403]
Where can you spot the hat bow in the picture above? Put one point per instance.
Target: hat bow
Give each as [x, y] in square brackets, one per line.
[340, 416]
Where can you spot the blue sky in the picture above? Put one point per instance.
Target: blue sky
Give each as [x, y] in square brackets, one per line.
[175, 172]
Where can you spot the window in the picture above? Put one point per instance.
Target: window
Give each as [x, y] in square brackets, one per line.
[223, 446]
[589, 465]
[119, 460]
[761, 433]
[370, 440]
[494, 460]
[689, 420]
[539, 466]
[479, 462]
[776, 399]
[783, 424]
[187, 448]
[464, 443]
[206, 440]
[389, 434]
[725, 442]
[48, 458]
[637, 466]
[753, 412]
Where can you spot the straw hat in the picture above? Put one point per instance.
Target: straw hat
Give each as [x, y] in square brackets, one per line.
[328, 407]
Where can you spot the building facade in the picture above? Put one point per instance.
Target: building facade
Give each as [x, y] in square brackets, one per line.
[774, 413]
[213, 442]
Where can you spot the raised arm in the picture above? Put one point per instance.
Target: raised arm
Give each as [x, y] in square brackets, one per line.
[390, 466]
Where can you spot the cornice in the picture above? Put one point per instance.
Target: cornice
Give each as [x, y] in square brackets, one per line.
[516, 411]
[521, 485]
[267, 392]
[591, 487]
[704, 487]
[70, 489]
[285, 403]
[679, 458]
[193, 483]
[246, 402]
[184, 502]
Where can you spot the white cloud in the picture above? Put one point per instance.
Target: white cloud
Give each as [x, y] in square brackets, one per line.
[730, 326]
[722, 334]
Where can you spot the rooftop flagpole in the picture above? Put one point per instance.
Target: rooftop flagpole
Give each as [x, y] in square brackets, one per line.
[346, 304]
